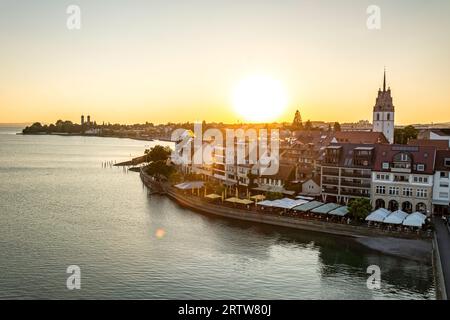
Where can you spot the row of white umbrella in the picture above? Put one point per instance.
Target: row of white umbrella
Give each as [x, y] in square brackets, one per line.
[399, 217]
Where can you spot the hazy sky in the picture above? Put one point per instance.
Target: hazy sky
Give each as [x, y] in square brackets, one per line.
[158, 61]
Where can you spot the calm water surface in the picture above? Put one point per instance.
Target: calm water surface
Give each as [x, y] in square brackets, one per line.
[59, 207]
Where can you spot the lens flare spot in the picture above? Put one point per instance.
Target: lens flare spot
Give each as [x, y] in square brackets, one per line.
[160, 233]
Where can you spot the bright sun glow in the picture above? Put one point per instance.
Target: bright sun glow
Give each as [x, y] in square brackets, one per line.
[259, 99]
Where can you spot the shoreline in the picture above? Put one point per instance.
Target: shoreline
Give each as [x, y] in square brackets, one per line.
[93, 135]
[405, 246]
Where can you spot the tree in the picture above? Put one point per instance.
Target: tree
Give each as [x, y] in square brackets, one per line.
[274, 196]
[297, 123]
[402, 136]
[159, 169]
[359, 208]
[158, 153]
[337, 127]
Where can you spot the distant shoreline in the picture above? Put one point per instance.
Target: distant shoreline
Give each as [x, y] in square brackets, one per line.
[92, 135]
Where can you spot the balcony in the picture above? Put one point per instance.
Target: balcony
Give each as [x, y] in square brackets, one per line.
[327, 172]
[355, 184]
[331, 181]
[356, 174]
[330, 190]
[354, 194]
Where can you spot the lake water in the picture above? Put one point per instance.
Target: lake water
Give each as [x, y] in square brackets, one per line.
[59, 207]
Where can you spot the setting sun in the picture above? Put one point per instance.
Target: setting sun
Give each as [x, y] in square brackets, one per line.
[259, 99]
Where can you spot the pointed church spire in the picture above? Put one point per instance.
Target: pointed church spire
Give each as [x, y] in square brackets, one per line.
[384, 80]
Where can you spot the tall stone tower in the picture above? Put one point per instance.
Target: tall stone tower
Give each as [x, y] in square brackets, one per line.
[383, 113]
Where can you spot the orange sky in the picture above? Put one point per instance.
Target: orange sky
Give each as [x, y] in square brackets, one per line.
[180, 61]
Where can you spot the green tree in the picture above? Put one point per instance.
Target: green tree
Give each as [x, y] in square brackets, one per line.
[158, 153]
[402, 136]
[160, 169]
[359, 208]
[274, 195]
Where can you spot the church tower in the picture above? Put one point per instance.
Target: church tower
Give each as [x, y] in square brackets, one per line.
[383, 113]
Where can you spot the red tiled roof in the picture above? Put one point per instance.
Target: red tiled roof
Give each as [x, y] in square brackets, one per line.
[439, 144]
[360, 137]
[420, 155]
[441, 155]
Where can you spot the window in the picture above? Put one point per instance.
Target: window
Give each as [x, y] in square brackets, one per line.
[444, 174]
[404, 157]
[407, 192]
[421, 179]
[394, 191]
[447, 162]
[420, 167]
[382, 177]
[380, 190]
[378, 117]
[389, 116]
[401, 178]
[385, 165]
[443, 195]
[443, 185]
[421, 193]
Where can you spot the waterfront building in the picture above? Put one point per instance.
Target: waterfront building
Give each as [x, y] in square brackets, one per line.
[346, 172]
[82, 120]
[384, 113]
[435, 134]
[88, 120]
[441, 188]
[403, 178]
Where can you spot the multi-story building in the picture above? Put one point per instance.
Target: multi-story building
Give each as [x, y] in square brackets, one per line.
[403, 178]
[346, 172]
[441, 188]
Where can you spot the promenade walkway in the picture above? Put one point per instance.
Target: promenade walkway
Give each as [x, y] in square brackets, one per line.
[443, 242]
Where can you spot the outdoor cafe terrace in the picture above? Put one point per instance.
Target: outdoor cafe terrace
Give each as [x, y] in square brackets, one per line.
[308, 208]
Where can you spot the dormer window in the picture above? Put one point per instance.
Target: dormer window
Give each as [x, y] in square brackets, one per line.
[385, 165]
[420, 167]
[447, 162]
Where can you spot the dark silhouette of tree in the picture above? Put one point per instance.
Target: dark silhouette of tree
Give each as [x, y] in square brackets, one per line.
[337, 127]
[402, 136]
[297, 122]
[308, 125]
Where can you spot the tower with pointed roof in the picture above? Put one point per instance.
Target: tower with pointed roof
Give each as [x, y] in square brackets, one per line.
[384, 113]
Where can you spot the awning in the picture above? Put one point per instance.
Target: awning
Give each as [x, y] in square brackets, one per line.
[245, 201]
[240, 201]
[233, 200]
[441, 202]
[287, 203]
[341, 211]
[416, 219]
[325, 208]
[265, 203]
[396, 217]
[190, 185]
[258, 197]
[308, 206]
[213, 196]
[275, 189]
[304, 198]
[378, 215]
